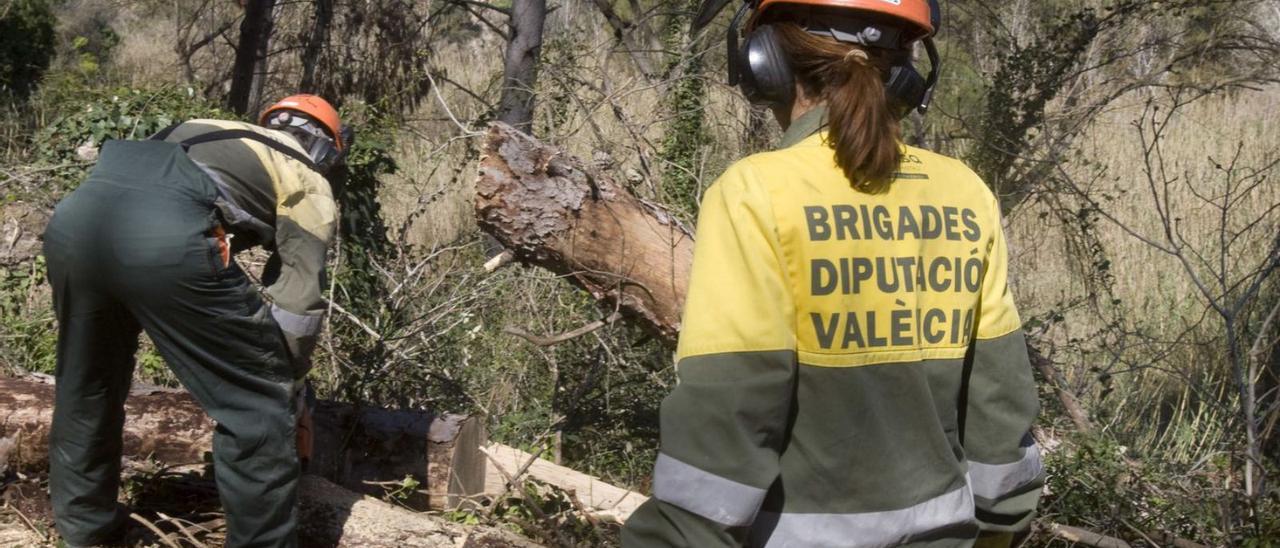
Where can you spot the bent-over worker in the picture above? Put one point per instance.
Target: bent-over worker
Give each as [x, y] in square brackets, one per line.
[146, 243]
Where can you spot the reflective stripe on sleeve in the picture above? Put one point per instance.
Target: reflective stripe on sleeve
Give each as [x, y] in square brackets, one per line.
[298, 325]
[993, 481]
[889, 528]
[718, 499]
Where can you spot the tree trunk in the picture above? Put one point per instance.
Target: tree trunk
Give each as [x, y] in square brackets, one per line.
[549, 210]
[249, 68]
[520, 65]
[623, 32]
[362, 449]
[315, 44]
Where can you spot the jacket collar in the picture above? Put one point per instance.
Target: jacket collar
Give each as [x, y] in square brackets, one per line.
[805, 126]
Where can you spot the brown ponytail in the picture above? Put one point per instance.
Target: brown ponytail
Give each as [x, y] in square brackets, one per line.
[861, 127]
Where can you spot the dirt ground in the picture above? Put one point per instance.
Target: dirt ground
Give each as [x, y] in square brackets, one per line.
[190, 515]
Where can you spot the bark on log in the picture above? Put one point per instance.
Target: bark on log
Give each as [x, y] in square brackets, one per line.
[549, 209]
[357, 448]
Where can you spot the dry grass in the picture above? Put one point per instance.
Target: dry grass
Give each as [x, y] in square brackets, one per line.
[1145, 277]
[1156, 297]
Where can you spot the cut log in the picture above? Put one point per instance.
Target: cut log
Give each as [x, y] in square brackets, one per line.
[550, 210]
[604, 500]
[362, 449]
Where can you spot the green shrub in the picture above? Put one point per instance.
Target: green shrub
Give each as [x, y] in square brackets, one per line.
[84, 118]
[28, 335]
[1096, 483]
[26, 44]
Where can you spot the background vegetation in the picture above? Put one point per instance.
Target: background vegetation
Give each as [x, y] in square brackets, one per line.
[1132, 144]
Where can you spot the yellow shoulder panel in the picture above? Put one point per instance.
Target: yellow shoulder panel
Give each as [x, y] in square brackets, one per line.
[302, 195]
[739, 296]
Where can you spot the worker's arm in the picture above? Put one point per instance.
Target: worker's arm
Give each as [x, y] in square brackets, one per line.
[305, 221]
[724, 424]
[1004, 461]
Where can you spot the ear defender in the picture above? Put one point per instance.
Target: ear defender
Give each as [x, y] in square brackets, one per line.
[906, 89]
[765, 71]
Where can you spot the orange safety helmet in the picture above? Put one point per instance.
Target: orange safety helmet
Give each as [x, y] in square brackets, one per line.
[763, 72]
[314, 107]
[918, 15]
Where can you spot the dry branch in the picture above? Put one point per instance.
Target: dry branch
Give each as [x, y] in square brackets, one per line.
[550, 210]
[1085, 537]
[1070, 403]
[602, 499]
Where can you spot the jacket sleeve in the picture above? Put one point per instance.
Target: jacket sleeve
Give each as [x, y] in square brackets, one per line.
[723, 426]
[1004, 462]
[305, 221]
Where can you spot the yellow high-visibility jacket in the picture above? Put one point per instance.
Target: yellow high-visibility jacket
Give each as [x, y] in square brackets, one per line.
[267, 198]
[852, 367]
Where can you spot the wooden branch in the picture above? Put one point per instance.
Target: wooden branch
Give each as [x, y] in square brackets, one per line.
[604, 500]
[1062, 389]
[622, 31]
[552, 340]
[550, 210]
[1085, 536]
[500, 260]
[484, 5]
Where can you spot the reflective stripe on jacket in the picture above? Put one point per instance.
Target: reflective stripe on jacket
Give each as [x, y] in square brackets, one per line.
[826, 342]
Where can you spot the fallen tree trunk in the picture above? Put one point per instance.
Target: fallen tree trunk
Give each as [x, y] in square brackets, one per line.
[362, 449]
[550, 210]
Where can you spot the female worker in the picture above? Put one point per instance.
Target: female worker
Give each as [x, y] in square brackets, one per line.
[852, 368]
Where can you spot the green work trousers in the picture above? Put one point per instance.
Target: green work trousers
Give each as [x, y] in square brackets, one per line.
[130, 250]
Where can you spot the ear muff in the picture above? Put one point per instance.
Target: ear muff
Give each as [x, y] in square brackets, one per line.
[764, 71]
[760, 68]
[905, 88]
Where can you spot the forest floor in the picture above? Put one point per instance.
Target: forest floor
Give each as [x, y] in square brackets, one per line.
[190, 515]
